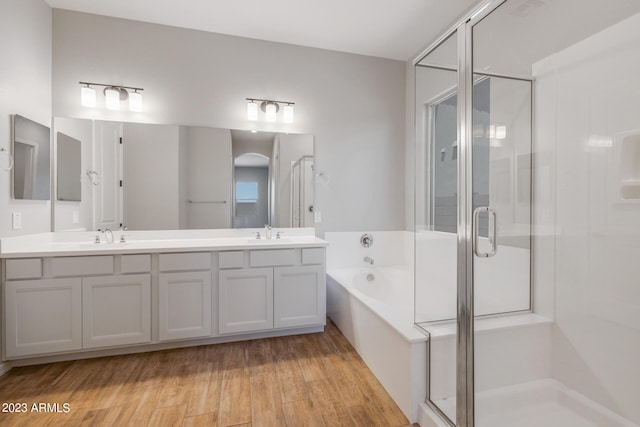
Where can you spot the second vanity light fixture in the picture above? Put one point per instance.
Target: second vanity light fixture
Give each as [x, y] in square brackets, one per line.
[113, 94]
[270, 108]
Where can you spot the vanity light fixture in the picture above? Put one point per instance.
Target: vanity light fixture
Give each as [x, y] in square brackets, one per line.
[114, 94]
[112, 98]
[252, 110]
[287, 112]
[88, 96]
[135, 101]
[270, 107]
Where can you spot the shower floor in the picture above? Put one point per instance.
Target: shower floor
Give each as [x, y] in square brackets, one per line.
[533, 404]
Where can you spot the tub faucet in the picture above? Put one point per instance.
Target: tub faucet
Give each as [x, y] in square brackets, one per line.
[368, 260]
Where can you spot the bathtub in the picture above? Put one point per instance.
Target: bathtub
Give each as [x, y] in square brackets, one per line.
[373, 307]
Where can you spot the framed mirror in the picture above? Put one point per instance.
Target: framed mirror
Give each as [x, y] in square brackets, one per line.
[31, 155]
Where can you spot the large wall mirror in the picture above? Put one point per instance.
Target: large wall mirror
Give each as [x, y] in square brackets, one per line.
[160, 177]
[31, 155]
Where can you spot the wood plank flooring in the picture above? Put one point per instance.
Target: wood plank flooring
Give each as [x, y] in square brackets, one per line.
[296, 381]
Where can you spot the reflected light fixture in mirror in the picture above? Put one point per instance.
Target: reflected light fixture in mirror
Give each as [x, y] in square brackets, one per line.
[114, 94]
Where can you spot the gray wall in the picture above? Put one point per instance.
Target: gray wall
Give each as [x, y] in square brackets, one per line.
[354, 105]
[25, 89]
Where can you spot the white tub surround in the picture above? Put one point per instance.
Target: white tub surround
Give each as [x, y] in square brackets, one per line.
[65, 297]
[375, 312]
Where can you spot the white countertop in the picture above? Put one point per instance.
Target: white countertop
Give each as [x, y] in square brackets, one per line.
[81, 243]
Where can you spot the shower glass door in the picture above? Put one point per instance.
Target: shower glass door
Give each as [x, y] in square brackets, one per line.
[436, 195]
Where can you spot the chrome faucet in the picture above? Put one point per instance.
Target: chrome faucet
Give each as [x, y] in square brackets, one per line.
[267, 231]
[108, 235]
[368, 260]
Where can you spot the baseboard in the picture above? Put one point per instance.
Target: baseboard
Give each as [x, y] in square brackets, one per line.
[4, 368]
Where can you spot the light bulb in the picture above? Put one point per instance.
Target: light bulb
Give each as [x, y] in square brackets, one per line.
[135, 101]
[112, 98]
[88, 96]
[252, 111]
[270, 111]
[288, 113]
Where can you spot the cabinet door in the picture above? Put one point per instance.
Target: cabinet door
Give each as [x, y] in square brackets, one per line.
[43, 316]
[299, 296]
[116, 310]
[185, 305]
[245, 301]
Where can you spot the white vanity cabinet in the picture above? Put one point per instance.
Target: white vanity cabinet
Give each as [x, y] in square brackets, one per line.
[114, 299]
[42, 316]
[184, 296]
[63, 304]
[271, 289]
[116, 310]
[299, 296]
[245, 300]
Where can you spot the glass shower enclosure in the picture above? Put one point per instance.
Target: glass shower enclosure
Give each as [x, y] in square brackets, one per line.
[522, 114]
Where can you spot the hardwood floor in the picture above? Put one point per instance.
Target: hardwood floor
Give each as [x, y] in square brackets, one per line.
[304, 380]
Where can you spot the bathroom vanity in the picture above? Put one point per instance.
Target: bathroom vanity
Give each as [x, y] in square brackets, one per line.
[65, 297]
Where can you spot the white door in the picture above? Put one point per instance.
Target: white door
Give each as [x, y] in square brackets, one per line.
[245, 301]
[116, 310]
[108, 165]
[299, 296]
[43, 316]
[185, 305]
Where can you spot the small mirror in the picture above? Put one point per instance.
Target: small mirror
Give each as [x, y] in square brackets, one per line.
[31, 156]
[68, 157]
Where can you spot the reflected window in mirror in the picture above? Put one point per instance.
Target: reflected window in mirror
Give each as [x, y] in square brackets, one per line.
[251, 201]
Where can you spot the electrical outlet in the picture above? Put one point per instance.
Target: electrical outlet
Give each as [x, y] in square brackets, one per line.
[317, 217]
[76, 217]
[16, 220]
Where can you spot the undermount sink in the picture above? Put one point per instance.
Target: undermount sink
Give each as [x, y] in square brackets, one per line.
[268, 241]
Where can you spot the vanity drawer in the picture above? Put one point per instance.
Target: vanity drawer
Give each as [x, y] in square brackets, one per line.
[231, 259]
[276, 257]
[28, 268]
[313, 256]
[186, 261]
[135, 263]
[81, 265]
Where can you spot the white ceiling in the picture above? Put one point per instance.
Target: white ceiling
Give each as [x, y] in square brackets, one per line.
[395, 29]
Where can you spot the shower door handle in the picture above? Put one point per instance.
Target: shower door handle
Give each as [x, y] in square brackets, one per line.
[493, 228]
